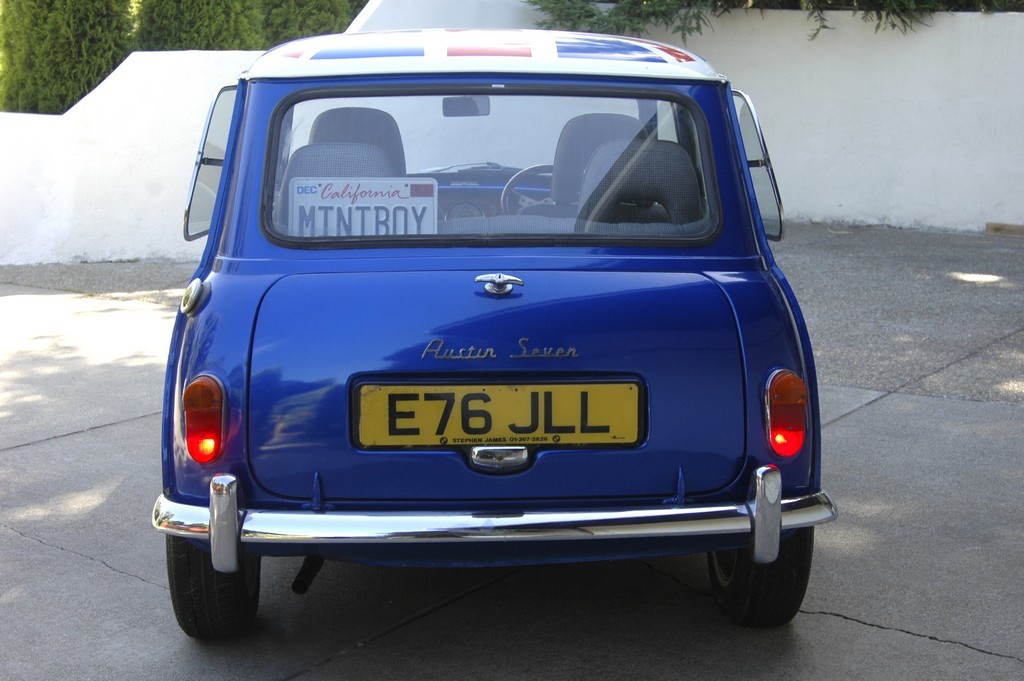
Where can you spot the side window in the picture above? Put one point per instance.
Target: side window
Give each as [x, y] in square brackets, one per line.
[766, 189]
[209, 163]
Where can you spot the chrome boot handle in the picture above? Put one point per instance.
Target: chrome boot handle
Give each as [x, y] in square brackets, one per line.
[498, 284]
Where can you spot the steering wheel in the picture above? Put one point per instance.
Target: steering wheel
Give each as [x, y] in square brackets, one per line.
[513, 200]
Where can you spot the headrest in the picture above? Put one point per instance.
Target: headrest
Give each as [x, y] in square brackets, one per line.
[576, 144]
[363, 125]
[639, 174]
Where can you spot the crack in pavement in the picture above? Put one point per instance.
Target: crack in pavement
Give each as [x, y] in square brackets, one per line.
[927, 637]
[907, 386]
[963, 358]
[677, 580]
[415, 617]
[826, 424]
[80, 555]
[61, 548]
[79, 432]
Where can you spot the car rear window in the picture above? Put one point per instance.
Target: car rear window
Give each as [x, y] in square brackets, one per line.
[514, 166]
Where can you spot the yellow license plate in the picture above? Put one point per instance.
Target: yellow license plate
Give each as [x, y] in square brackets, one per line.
[505, 414]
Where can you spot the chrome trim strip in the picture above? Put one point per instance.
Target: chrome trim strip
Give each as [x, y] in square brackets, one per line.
[310, 527]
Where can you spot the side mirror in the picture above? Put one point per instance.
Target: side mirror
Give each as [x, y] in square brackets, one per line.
[202, 193]
[766, 188]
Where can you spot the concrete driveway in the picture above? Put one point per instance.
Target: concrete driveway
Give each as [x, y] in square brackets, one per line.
[920, 345]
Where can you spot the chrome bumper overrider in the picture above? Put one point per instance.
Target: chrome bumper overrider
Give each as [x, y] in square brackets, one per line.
[226, 525]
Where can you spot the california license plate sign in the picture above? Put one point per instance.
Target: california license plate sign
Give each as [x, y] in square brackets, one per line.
[362, 207]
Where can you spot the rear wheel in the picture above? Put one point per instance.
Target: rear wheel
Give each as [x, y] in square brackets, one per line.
[756, 595]
[207, 603]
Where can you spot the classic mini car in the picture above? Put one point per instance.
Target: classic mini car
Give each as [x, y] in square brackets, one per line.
[486, 298]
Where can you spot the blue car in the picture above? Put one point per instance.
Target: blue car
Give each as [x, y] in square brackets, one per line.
[486, 298]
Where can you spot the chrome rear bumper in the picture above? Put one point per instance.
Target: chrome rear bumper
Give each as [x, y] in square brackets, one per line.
[226, 525]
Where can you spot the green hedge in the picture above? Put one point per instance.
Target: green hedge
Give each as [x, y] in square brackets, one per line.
[292, 19]
[200, 25]
[53, 52]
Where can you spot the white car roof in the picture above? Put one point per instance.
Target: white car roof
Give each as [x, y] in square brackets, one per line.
[479, 51]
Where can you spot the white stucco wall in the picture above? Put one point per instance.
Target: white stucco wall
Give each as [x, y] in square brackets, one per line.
[916, 130]
[108, 179]
[386, 15]
[920, 130]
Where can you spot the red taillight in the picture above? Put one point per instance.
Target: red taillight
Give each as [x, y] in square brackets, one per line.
[787, 412]
[203, 403]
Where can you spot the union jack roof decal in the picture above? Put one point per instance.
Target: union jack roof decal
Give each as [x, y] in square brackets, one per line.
[486, 51]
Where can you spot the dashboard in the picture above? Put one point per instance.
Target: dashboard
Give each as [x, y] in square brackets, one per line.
[475, 191]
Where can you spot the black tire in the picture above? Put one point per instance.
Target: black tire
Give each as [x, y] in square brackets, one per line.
[210, 604]
[769, 595]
